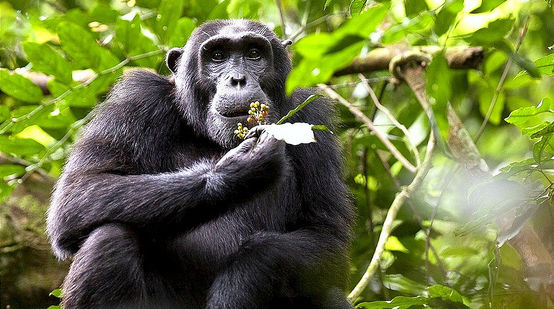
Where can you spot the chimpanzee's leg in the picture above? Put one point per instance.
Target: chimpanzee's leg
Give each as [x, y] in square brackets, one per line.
[106, 271]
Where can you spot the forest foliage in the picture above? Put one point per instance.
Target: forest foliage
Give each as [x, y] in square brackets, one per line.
[452, 180]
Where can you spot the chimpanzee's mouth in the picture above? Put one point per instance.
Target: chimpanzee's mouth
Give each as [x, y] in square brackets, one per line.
[235, 113]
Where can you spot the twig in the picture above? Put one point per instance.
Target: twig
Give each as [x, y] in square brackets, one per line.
[315, 22]
[501, 82]
[281, 15]
[391, 215]
[76, 125]
[389, 115]
[363, 118]
[418, 218]
[10, 122]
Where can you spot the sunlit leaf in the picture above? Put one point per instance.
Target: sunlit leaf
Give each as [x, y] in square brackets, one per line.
[79, 45]
[169, 12]
[182, 32]
[356, 6]
[545, 64]
[534, 118]
[19, 87]
[447, 15]
[19, 146]
[10, 170]
[393, 244]
[493, 33]
[445, 293]
[47, 60]
[487, 5]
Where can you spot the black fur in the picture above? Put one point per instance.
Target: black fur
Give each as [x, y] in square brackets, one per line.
[161, 207]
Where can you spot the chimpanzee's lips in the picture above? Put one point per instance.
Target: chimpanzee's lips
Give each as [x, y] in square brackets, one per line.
[234, 113]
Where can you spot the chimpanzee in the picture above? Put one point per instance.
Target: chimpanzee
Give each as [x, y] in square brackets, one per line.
[162, 206]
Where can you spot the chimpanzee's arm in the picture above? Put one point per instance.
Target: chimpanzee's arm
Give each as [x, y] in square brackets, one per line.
[104, 181]
[312, 254]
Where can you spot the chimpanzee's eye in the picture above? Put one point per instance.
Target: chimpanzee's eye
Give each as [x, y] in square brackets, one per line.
[254, 54]
[218, 55]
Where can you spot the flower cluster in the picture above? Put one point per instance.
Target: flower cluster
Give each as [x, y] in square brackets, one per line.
[257, 113]
[241, 131]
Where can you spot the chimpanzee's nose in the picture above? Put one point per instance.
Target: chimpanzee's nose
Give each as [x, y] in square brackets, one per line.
[237, 79]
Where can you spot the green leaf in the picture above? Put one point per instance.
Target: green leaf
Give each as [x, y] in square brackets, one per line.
[5, 190]
[79, 45]
[399, 302]
[313, 71]
[19, 146]
[445, 18]
[19, 87]
[525, 64]
[487, 6]
[56, 293]
[485, 98]
[515, 168]
[418, 24]
[545, 64]
[543, 148]
[131, 40]
[356, 7]
[328, 3]
[438, 87]
[493, 33]
[11, 169]
[46, 60]
[4, 112]
[534, 118]
[185, 27]
[445, 293]
[104, 14]
[393, 244]
[169, 12]
[365, 23]
[547, 130]
[81, 97]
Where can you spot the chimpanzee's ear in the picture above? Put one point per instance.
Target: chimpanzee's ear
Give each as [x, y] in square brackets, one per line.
[286, 43]
[172, 57]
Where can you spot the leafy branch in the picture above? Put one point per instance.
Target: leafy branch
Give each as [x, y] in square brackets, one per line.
[8, 124]
[364, 119]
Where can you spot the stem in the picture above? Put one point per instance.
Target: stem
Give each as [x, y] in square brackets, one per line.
[363, 118]
[281, 15]
[501, 82]
[389, 115]
[391, 215]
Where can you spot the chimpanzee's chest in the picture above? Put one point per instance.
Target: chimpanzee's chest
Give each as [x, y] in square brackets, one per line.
[207, 247]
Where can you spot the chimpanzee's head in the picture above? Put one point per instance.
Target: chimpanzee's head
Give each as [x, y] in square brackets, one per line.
[225, 66]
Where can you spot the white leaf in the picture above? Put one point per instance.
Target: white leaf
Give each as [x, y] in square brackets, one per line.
[292, 133]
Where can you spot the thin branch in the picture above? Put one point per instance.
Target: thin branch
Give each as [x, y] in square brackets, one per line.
[389, 115]
[391, 215]
[76, 125]
[418, 218]
[501, 82]
[364, 119]
[281, 15]
[10, 122]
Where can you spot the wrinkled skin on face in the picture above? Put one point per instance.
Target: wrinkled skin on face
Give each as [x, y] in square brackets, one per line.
[236, 64]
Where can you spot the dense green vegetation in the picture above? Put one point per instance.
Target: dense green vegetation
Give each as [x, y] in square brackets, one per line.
[445, 110]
